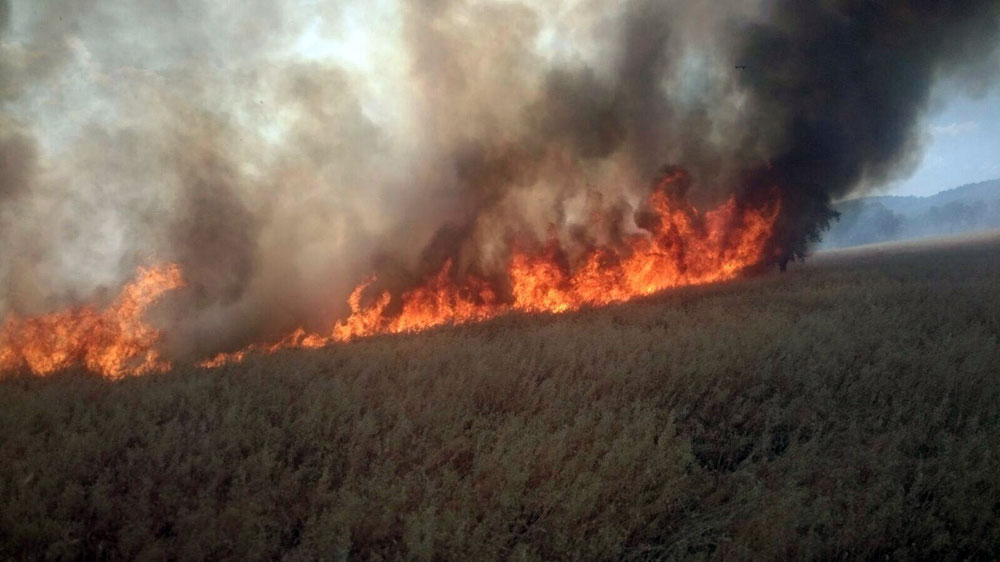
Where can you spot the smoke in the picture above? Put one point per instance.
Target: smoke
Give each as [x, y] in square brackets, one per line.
[283, 152]
[837, 90]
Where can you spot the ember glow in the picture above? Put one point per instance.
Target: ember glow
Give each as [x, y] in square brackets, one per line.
[115, 342]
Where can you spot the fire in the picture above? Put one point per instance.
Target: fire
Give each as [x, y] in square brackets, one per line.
[681, 247]
[677, 252]
[114, 342]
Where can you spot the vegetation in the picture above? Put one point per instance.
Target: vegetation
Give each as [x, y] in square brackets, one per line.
[847, 409]
[968, 208]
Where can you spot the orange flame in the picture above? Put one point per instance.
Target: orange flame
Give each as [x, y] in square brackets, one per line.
[682, 247]
[114, 342]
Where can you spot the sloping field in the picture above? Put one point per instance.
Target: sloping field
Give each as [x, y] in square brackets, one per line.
[849, 408]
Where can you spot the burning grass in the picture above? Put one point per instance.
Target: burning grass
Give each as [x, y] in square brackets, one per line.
[680, 246]
[113, 342]
[847, 409]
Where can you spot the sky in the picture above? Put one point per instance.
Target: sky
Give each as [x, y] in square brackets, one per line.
[963, 145]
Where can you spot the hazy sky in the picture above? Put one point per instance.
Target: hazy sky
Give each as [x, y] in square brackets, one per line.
[963, 146]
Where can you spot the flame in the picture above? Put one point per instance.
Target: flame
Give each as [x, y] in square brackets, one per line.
[114, 342]
[681, 247]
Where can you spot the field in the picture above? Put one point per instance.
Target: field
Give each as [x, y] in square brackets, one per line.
[849, 408]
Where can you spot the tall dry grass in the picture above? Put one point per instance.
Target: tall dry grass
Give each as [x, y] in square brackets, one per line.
[847, 409]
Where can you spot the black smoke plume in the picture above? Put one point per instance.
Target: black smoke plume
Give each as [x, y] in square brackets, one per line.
[838, 89]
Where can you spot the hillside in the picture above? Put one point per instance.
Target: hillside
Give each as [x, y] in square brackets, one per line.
[847, 409]
[867, 220]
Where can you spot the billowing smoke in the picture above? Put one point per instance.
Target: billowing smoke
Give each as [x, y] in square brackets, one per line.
[836, 91]
[282, 152]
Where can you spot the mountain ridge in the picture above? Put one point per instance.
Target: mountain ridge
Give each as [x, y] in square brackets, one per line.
[882, 218]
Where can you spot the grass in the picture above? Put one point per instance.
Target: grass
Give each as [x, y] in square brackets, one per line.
[847, 409]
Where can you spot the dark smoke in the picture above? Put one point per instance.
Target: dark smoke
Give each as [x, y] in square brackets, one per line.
[18, 159]
[279, 170]
[838, 89]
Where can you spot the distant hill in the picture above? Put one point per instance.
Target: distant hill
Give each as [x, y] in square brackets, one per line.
[867, 220]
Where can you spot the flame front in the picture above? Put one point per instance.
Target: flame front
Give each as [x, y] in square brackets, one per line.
[682, 247]
[114, 342]
[679, 247]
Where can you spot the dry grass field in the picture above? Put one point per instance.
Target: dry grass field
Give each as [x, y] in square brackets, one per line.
[847, 409]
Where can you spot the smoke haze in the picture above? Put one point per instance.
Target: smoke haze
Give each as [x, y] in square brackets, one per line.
[282, 152]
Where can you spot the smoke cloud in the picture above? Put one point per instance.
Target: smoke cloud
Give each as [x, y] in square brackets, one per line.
[837, 90]
[283, 152]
